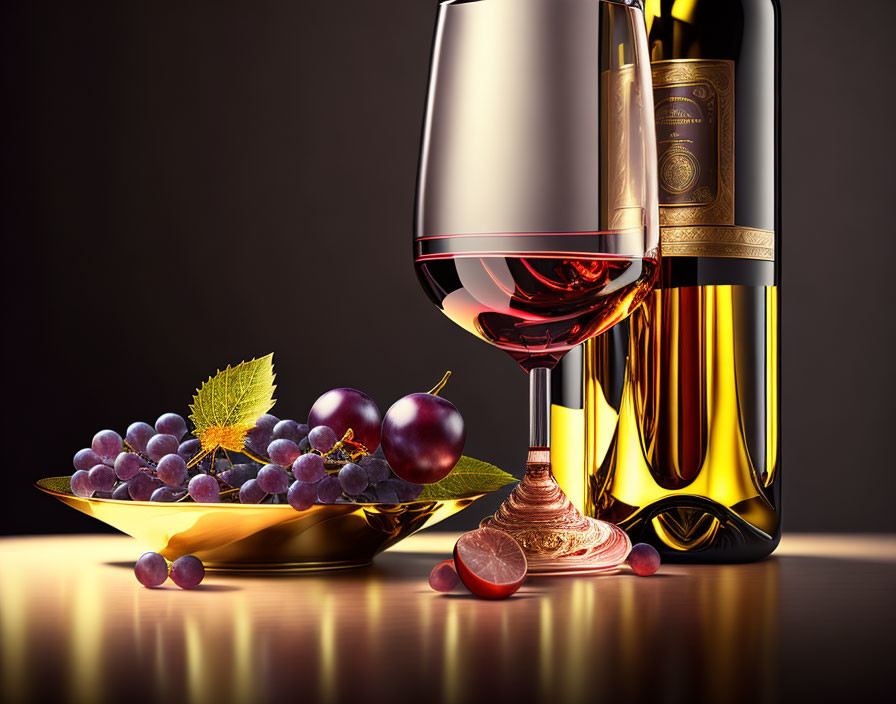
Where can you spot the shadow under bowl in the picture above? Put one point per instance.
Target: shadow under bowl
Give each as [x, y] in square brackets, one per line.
[263, 537]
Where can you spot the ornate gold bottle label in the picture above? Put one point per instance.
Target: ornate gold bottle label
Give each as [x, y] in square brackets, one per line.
[694, 112]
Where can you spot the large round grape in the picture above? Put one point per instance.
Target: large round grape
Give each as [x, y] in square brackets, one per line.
[102, 477]
[301, 496]
[172, 470]
[251, 493]
[171, 424]
[341, 409]
[283, 452]
[423, 437]
[81, 484]
[86, 459]
[141, 486]
[187, 571]
[352, 479]
[309, 468]
[643, 559]
[203, 489]
[272, 479]
[139, 434]
[107, 444]
[151, 569]
[161, 445]
[127, 464]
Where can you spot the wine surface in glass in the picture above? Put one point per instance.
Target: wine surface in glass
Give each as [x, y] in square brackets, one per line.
[533, 295]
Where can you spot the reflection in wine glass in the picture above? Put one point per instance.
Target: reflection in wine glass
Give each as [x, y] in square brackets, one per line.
[536, 224]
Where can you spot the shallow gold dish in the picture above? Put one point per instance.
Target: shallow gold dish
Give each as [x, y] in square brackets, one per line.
[263, 537]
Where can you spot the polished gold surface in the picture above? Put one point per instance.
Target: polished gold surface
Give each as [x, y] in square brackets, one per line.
[262, 537]
[812, 623]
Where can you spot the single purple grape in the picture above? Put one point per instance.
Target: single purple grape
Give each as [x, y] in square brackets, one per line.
[405, 491]
[238, 475]
[258, 439]
[172, 470]
[107, 444]
[86, 459]
[353, 479]
[267, 421]
[341, 409]
[138, 435]
[383, 493]
[161, 445]
[187, 572]
[102, 477]
[121, 493]
[188, 449]
[251, 493]
[377, 469]
[289, 430]
[423, 438]
[322, 438]
[141, 486]
[301, 495]
[171, 424]
[272, 479]
[444, 577]
[168, 493]
[309, 468]
[127, 464]
[81, 484]
[283, 452]
[643, 559]
[305, 445]
[203, 489]
[151, 569]
[328, 490]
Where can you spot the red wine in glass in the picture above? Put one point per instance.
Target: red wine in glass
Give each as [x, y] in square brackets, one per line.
[534, 303]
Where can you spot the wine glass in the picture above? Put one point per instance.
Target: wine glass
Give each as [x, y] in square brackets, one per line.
[536, 221]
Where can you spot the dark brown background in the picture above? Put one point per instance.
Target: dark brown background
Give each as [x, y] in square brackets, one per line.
[188, 184]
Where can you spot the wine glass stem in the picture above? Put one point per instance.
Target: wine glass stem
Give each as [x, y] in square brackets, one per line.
[539, 419]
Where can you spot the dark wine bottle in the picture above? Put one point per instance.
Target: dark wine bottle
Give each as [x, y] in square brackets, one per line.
[668, 424]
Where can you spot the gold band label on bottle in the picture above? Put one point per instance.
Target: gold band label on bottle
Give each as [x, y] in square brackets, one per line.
[694, 111]
[705, 241]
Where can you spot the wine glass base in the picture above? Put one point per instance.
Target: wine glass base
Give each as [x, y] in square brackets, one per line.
[556, 537]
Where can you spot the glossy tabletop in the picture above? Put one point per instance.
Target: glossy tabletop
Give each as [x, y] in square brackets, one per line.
[815, 620]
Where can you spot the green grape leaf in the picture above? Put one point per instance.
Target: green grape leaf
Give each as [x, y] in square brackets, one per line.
[226, 406]
[469, 477]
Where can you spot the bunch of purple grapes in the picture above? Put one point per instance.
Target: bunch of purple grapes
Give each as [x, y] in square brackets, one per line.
[335, 457]
[312, 465]
[148, 464]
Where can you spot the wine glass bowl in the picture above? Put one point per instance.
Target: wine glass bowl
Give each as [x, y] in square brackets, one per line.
[536, 222]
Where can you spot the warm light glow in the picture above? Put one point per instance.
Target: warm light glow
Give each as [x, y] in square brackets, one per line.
[684, 10]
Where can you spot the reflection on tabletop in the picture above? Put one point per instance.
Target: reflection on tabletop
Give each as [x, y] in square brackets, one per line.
[75, 626]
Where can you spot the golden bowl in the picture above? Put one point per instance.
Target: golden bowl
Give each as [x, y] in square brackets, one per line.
[263, 537]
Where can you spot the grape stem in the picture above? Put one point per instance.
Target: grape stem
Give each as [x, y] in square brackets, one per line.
[146, 458]
[438, 387]
[252, 456]
[355, 449]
